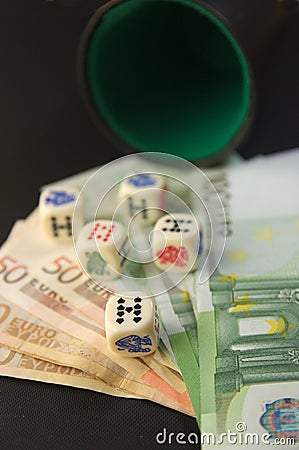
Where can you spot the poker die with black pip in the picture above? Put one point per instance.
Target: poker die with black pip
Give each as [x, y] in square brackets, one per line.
[56, 209]
[132, 324]
[177, 243]
[143, 197]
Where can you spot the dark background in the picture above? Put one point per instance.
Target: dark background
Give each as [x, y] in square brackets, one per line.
[46, 134]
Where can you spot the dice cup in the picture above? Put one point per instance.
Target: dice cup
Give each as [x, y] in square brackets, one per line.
[175, 76]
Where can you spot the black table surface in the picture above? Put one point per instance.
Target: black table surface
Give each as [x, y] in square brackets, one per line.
[47, 135]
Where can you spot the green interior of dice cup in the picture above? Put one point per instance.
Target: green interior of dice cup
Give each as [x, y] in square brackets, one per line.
[168, 76]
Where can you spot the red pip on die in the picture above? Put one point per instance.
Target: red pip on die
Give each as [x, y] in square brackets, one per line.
[102, 249]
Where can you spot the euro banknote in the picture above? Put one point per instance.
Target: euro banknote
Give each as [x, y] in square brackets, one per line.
[18, 365]
[248, 313]
[20, 331]
[23, 366]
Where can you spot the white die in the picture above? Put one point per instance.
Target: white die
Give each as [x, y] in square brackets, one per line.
[143, 196]
[132, 324]
[176, 243]
[56, 208]
[102, 247]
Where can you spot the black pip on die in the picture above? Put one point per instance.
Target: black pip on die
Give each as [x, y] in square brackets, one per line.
[143, 197]
[56, 208]
[102, 248]
[132, 324]
[177, 243]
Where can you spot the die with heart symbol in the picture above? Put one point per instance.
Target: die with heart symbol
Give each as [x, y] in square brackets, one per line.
[177, 243]
[102, 249]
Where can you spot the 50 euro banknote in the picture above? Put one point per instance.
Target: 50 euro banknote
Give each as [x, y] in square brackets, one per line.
[52, 313]
[18, 365]
[23, 333]
[49, 308]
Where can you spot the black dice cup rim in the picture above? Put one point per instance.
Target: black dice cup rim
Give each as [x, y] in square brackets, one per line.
[169, 76]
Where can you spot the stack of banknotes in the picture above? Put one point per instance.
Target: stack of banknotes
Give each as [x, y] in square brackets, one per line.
[229, 352]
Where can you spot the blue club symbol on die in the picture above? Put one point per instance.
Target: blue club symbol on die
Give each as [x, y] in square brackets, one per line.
[58, 198]
[142, 180]
[134, 344]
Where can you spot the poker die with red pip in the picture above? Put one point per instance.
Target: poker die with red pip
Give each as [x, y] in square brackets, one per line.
[177, 243]
[102, 249]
